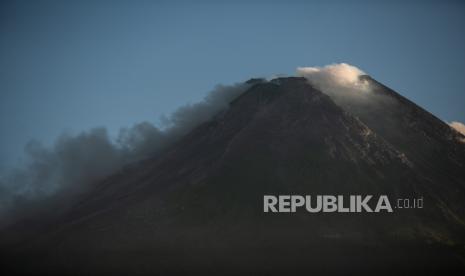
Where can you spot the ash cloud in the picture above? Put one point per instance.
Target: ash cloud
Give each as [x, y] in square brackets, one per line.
[52, 175]
[186, 117]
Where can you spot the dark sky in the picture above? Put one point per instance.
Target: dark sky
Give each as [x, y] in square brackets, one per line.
[71, 66]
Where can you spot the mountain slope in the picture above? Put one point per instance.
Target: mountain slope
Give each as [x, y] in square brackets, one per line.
[435, 149]
[199, 205]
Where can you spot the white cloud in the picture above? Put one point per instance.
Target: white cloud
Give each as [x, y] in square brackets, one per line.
[459, 127]
[335, 78]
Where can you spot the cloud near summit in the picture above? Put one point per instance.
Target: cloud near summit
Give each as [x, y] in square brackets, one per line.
[335, 78]
[342, 72]
[459, 127]
[75, 162]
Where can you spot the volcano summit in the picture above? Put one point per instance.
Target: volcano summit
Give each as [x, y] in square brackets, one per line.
[197, 206]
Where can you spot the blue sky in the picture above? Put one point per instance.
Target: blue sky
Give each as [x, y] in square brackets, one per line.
[72, 66]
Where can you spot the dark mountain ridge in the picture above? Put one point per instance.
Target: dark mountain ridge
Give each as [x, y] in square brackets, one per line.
[198, 206]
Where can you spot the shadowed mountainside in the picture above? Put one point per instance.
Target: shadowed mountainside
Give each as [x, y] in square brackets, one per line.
[198, 206]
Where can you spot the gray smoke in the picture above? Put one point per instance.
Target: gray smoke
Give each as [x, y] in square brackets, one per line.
[74, 163]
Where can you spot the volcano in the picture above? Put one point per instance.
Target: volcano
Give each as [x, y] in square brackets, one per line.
[197, 207]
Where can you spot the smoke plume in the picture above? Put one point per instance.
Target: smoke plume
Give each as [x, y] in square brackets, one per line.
[74, 163]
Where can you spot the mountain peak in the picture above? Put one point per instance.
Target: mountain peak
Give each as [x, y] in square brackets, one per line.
[307, 135]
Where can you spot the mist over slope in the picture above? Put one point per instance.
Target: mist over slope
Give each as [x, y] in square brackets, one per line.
[197, 201]
[75, 162]
[354, 90]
